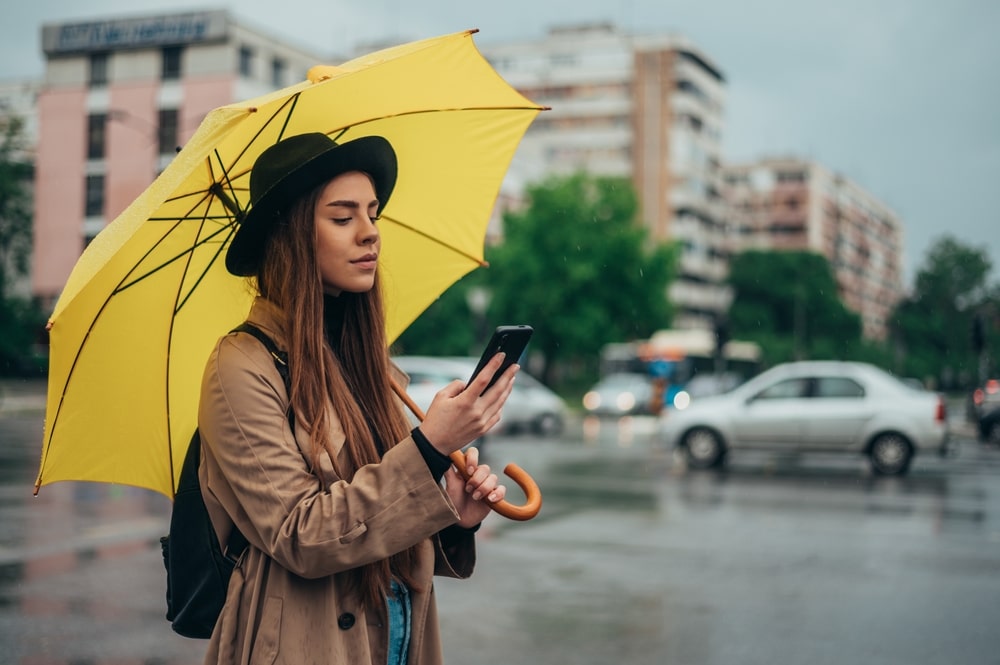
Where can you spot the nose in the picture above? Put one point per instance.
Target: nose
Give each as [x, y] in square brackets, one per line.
[368, 233]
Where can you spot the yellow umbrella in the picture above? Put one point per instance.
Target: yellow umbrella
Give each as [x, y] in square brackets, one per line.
[150, 296]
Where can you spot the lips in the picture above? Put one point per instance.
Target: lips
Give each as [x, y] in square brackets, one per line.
[366, 262]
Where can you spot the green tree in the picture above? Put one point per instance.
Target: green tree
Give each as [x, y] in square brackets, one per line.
[446, 328]
[20, 319]
[15, 203]
[934, 325]
[787, 301]
[564, 265]
[577, 264]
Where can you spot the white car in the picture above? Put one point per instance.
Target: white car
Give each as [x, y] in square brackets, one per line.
[530, 407]
[814, 406]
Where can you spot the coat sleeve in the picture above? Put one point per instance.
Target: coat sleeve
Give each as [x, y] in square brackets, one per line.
[266, 487]
[455, 552]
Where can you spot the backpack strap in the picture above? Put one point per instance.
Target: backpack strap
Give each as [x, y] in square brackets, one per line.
[279, 356]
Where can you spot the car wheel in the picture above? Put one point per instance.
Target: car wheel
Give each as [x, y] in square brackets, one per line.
[548, 424]
[704, 447]
[891, 454]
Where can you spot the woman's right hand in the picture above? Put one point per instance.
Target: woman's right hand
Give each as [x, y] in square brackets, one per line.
[458, 415]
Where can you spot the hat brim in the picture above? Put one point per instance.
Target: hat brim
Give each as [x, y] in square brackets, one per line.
[370, 154]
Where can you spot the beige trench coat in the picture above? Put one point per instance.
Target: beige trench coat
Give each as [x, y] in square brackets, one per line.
[288, 601]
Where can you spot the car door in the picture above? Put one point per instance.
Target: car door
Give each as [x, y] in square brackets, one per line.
[770, 417]
[836, 412]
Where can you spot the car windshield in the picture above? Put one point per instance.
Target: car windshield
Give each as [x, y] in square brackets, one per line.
[622, 380]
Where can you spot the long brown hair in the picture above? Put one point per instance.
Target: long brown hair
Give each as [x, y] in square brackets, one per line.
[355, 380]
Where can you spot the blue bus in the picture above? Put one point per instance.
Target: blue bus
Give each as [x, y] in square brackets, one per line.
[683, 364]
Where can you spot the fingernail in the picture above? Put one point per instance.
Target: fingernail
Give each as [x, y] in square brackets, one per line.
[492, 497]
[477, 495]
[471, 470]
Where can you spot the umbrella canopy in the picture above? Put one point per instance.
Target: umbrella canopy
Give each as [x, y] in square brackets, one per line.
[150, 296]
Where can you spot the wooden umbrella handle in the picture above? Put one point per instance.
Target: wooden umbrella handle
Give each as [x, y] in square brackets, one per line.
[533, 495]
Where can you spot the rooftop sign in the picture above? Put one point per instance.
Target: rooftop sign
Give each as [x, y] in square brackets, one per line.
[123, 33]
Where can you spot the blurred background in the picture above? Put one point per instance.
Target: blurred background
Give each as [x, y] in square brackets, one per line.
[812, 178]
[718, 188]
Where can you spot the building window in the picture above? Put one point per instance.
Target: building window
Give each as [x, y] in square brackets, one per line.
[167, 131]
[791, 176]
[563, 60]
[95, 196]
[278, 68]
[246, 62]
[98, 74]
[171, 64]
[96, 124]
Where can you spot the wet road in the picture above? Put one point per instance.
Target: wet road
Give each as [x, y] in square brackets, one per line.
[778, 559]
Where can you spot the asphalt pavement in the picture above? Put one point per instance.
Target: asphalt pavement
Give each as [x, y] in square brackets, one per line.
[777, 559]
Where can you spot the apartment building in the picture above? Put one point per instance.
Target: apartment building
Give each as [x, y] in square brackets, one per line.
[649, 108]
[795, 204]
[119, 96]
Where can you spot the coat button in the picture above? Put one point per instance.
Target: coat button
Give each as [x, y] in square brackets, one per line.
[345, 620]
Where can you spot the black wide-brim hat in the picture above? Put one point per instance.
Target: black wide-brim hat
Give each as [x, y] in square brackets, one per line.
[293, 167]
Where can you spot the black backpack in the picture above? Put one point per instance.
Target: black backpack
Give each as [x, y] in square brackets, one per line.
[198, 568]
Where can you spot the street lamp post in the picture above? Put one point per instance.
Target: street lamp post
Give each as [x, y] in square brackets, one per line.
[478, 299]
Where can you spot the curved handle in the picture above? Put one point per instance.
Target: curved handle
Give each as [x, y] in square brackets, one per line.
[533, 495]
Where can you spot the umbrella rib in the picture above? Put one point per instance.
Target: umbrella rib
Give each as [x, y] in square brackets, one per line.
[288, 104]
[189, 251]
[179, 301]
[229, 202]
[121, 287]
[205, 271]
[460, 252]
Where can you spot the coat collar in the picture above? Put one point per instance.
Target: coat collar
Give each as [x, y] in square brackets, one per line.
[271, 319]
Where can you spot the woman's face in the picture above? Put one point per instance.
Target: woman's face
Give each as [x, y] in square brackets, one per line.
[347, 241]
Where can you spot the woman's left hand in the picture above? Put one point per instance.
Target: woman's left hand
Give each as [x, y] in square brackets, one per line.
[473, 496]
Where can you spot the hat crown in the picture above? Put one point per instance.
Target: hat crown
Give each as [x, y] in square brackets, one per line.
[291, 168]
[284, 157]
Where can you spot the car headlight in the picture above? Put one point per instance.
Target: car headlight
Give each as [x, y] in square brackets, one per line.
[682, 400]
[625, 401]
[591, 401]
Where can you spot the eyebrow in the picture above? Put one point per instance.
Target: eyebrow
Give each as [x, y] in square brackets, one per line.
[347, 203]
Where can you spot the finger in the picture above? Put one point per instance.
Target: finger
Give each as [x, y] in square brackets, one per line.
[452, 389]
[471, 459]
[478, 385]
[486, 488]
[498, 494]
[501, 389]
[477, 479]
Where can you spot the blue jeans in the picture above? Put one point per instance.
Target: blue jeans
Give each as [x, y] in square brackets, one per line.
[398, 606]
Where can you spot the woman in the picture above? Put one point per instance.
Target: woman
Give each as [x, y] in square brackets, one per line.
[342, 504]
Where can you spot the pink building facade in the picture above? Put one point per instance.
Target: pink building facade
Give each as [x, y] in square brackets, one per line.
[792, 204]
[120, 96]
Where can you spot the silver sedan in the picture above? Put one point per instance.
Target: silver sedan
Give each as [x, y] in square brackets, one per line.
[814, 406]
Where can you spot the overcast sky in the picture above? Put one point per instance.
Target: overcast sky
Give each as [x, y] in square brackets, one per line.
[901, 96]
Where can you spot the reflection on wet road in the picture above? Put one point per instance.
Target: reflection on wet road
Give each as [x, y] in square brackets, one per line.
[776, 559]
[633, 559]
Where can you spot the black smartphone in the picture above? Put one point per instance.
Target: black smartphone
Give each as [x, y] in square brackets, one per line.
[512, 340]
